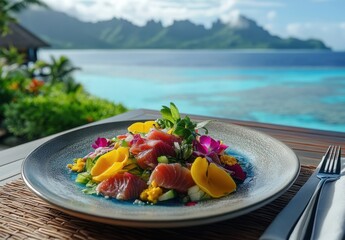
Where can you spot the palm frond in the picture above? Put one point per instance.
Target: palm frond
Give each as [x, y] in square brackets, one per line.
[21, 5]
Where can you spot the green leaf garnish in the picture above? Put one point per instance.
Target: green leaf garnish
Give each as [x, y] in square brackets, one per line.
[90, 191]
[202, 124]
[174, 112]
[166, 114]
[89, 164]
[83, 177]
[185, 127]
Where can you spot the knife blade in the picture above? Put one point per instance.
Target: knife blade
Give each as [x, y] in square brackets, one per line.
[284, 222]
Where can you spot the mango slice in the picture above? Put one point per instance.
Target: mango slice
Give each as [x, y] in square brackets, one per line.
[103, 163]
[141, 127]
[212, 179]
[109, 164]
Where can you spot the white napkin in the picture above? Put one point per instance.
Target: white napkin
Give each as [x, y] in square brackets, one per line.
[330, 224]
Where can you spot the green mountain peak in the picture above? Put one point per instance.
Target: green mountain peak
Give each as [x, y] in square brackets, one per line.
[64, 31]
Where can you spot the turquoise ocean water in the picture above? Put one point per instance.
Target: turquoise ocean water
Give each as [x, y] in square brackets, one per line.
[294, 88]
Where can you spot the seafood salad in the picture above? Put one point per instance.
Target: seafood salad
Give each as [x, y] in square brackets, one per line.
[167, 159]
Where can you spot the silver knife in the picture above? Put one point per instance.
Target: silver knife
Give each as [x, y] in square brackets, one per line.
[284, 222]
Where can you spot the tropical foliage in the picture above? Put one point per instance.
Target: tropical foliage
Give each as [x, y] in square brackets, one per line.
[42, 98]
[8, 8]
[35, 117]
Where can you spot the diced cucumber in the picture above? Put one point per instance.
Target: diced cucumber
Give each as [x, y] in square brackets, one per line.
[90, 191]
[163, 159]
[196, 194]
[89, 164]
[83, 178]
[91, 184]
[167, 195]
[124, 143]
[193, 189]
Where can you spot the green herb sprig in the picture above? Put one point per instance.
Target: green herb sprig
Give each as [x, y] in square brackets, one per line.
[182, 127]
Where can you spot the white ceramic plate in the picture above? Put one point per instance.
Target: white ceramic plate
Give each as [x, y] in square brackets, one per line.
[275, 168]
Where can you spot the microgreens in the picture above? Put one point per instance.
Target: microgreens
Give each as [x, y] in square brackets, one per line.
[185, 127]
[182, 127]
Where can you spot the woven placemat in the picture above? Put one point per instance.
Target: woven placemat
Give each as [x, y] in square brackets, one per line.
[25, 216]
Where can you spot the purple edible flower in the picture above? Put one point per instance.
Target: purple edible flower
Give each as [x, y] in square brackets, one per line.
[209, 148]
[100, 142]
[237, 171]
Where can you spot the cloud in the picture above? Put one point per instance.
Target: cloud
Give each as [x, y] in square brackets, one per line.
[234, 19]
[271, 15]
[342, 25]
[269, 27]
[140, 11]
[261, 4]
[333, 34]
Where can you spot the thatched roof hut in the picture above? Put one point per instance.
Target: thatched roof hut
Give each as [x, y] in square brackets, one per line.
[22, 39]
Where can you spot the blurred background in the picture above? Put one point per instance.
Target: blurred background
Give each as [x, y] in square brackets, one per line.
[70, 62]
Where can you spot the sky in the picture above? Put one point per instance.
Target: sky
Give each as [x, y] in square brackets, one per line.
[304, 19]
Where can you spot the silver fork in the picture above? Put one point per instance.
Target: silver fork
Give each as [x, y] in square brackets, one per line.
[329, 171]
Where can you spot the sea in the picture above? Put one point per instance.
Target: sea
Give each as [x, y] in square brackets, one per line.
[293, 87]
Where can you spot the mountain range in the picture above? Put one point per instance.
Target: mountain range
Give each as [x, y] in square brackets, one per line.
[63, 31]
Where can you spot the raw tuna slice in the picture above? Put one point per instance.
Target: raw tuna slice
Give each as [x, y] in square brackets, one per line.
[138, 144]
[172, 176]
[165, 137]
[122, 186]
[147, 159]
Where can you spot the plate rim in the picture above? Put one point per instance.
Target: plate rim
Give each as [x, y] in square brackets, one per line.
[160, 222]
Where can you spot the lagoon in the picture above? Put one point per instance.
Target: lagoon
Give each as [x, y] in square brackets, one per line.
[294, 88]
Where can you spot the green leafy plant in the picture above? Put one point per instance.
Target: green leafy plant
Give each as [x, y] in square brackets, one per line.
[11, 56]
[183, 127]
[58, 70]
[42, 99]
[13, 85]
[9, 8]
[35, 117]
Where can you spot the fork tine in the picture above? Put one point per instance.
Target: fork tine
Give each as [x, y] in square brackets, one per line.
[338, 161]
[326, 158]
[335, 161]
[332, 160]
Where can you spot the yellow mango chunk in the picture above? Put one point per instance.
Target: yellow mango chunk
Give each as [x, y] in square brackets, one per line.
[152, 193]
[78, 166]
[212, 179]
[104, 162]
[109, 164]
[141, 127]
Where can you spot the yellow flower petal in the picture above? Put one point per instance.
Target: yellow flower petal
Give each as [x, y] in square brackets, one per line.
[141, 127]
[110, 164]
[212, 179]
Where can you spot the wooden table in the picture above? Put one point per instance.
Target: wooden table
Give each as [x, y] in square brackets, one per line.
[308, 144]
